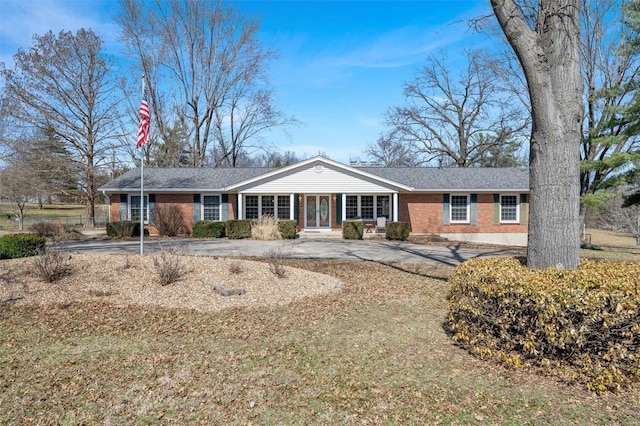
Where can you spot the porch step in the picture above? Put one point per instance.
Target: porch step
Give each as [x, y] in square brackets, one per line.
[320, 234]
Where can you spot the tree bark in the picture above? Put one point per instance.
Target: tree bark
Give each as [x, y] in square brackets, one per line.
[548, 48]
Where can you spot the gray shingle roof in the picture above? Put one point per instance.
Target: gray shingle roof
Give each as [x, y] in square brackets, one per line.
[183, 179]
[455, 178]
[418, 178]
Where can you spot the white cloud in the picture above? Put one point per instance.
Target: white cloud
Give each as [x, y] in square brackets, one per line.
[20, 20]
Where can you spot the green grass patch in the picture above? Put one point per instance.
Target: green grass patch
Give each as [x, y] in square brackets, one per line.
[374, 353]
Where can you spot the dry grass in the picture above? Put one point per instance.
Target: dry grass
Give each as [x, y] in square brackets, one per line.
[265, 229]
[602, 238]
[374, 353]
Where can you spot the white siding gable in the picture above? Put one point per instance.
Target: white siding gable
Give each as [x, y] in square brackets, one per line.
[317, 178]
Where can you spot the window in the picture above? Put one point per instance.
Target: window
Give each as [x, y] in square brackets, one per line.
[382, 207]
[211, 207]
[351, 208]
[135, 208]
[459, 208]
[509, 208]
[267, 206]
[251, 210]
[278, 206]
[284, 207]
[366, 206]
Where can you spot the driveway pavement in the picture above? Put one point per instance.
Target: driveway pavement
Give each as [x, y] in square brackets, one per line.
[373, 250]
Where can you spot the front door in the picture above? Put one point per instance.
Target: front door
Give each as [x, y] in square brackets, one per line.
[318, 211]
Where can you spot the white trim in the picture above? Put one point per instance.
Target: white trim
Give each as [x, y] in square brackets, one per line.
[320, 161]
[316, 199]
[275, 204]
[392, 213]
[468, 219]
[146, 197]
[517, 207]
[219, 205]
[240, 212]
[395, 206]
[292, 204]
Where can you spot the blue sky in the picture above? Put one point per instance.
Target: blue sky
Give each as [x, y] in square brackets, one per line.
[340, 64]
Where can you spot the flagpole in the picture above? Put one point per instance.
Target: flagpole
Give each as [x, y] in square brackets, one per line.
[142, 188]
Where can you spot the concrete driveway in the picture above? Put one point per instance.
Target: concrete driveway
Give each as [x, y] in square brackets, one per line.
[372, 250]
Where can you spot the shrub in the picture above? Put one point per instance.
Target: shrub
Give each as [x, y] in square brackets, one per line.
[13, 246]
[352, 229]
[47, 229]
[169, 220]
[276, 263]
[397, 231]
[287, 228]
[237, 229]
[581, 324]
[265, 229]
[235, 268]
[169, 266]
[208, 229]
[51, 265]
[123, 229]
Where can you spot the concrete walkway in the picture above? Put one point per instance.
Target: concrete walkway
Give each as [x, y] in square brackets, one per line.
[317, 248]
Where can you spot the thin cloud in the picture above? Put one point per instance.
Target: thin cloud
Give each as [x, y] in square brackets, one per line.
[20, 20]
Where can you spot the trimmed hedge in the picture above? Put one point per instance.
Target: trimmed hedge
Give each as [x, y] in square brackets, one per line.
[397, 231]
[14, 246]
[208, 229]
[288, 228]
[352, 229]
[238, 229]
[582, 324]
[123, 229]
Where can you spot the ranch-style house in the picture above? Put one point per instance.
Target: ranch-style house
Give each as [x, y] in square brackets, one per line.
[468, 204]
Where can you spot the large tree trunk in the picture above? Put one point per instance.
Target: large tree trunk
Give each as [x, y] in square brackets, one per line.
[549, 53]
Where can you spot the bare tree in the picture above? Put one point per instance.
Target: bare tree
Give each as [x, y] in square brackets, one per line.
[17, 186]
[209, 59]
[545, 35]
[391, 151]
[446, 114]
[63, 84]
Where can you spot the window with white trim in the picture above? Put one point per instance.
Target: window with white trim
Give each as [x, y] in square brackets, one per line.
[509, 208]
[268, 207]
[351, 209]
[134, 209]
[251, 207]
[367, 207]
[211, 207]
[459, 208]
[278, 206]
[284, 207]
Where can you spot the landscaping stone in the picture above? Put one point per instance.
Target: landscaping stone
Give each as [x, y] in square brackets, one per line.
[229, 291]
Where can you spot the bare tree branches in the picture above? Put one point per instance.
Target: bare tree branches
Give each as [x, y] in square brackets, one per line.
[208, 61]
[63, 84]
[446, 115]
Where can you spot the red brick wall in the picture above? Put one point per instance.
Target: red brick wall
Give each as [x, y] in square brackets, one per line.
[425, 214]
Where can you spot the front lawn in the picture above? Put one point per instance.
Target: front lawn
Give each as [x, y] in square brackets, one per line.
[374, 353]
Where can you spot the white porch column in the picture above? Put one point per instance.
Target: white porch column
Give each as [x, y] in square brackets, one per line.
[344, 207]
[240, 214]
[395, 206]
[292, 205]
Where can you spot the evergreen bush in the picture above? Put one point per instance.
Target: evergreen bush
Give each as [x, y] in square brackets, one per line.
[397, 231]
[123, 229]
[208, 229]
[352, 229]
[287, 228]
[14, 246]
[238, 229]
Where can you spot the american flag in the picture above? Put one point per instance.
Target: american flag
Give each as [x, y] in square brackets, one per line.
[145, 119]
